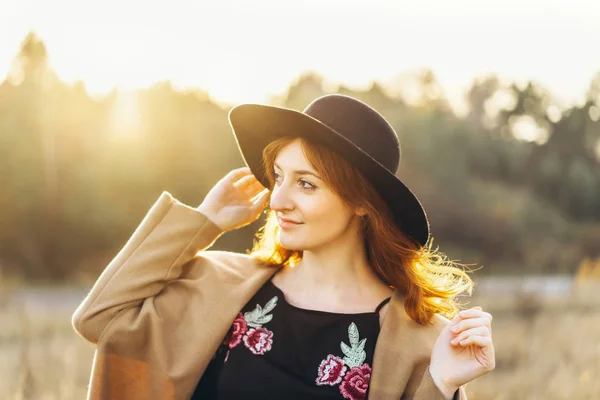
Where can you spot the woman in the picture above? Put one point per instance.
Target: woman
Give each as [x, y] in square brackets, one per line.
[341, 296]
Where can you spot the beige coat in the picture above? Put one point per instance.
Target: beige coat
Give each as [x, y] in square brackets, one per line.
[163, 305]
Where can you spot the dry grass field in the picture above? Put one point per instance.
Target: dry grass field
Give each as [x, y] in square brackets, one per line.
[548, 345]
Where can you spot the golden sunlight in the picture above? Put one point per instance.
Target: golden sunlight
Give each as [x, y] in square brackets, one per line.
[125, 118]
[527, 129]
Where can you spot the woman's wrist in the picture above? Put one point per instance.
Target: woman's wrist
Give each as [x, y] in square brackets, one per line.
[446, 389]
[208, 213]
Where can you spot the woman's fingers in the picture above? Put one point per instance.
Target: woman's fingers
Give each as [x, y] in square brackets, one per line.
[254, 189]
[245, 181]
[471, 323]
[235, 174]
[474, 312]
[261, 200]
[249, 185]
[479, 331]
[481, 341]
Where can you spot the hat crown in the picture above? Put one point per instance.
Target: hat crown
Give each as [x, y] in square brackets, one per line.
[361, 125]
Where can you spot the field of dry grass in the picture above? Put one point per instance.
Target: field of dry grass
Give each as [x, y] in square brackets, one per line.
[547, 347]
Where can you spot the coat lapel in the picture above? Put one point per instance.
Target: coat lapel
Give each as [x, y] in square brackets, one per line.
[392, 362]
[402, 353]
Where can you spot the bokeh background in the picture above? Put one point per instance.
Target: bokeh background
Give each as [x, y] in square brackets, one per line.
[103, 105]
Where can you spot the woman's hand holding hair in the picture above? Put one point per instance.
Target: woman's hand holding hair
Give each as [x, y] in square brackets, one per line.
[236, 200]
[463, 351]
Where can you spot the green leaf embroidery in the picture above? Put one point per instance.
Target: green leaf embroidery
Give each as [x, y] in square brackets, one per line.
[345, 349]
[270, 305]
[259, 316]
[354, 354]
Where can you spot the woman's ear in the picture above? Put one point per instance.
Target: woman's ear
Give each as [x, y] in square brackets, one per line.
[360, 211]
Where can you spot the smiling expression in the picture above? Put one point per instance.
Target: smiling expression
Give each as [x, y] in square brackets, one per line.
[315, 214]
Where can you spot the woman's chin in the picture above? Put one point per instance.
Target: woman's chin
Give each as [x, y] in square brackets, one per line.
[290, 243]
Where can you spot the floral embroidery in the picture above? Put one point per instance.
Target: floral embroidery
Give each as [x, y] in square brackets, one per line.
[259, 316]
[354, 354]
[355, 372]
[258, 340]
[331, 371]
[356, 382]
[239, 328]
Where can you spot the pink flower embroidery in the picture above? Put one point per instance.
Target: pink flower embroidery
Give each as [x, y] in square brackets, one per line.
[259, 340]
[356, 383]
[237, 331]
[331, 370]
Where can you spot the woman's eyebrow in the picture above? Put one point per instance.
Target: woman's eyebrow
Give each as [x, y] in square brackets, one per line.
[301, 172]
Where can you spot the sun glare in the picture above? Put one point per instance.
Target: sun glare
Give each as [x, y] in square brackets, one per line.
[527, 129]
[125, 115]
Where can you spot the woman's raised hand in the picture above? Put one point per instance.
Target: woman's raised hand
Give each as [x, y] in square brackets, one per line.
[236, 200]
[463, 351]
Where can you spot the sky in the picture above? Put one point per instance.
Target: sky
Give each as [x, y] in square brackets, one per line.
[243, 50]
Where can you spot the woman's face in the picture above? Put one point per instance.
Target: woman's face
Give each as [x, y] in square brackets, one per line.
[301, 196]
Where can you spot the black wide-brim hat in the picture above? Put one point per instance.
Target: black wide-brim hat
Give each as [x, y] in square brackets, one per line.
[346, 126]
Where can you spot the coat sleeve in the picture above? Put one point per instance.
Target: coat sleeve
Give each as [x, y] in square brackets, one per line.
[169, 236]
[429, 391]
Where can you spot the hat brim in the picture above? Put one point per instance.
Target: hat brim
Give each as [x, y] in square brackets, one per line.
[255, 126]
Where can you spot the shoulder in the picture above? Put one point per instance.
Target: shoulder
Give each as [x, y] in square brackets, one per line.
[436, 323]
[432, 330]
[404, 330]
[427, 335]
[439, 322]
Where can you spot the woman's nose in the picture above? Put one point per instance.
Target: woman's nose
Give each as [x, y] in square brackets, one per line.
[281, 199]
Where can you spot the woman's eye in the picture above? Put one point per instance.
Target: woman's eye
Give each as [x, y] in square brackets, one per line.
[307, 185]
[303, 183]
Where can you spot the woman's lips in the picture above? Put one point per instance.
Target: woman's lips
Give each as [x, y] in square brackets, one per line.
[287, 224]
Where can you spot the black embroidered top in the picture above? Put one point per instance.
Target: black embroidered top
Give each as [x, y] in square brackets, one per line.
[275, 350]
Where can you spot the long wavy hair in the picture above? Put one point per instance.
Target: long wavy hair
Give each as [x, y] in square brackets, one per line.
[429, 281]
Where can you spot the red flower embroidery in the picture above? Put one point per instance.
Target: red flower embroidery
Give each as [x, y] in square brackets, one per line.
[238, 329]
[356, 383]
[258, 340]
[331, 371]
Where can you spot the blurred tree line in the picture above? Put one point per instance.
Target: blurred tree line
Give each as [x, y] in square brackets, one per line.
[513, 186]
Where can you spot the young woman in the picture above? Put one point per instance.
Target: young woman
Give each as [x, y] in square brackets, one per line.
[341, 296]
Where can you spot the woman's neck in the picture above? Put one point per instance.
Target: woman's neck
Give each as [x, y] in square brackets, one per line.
[338, 273]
